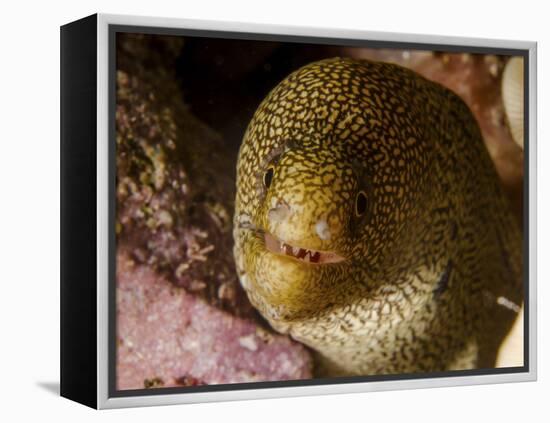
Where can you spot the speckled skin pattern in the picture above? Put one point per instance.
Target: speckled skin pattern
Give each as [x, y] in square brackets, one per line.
[432, 269]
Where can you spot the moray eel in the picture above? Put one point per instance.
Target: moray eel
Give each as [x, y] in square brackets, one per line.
[370, 224]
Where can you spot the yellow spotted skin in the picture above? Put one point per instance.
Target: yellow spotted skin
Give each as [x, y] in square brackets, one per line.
[427, 262]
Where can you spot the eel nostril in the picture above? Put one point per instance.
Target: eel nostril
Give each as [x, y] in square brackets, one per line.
[322, 229]
[279, 213]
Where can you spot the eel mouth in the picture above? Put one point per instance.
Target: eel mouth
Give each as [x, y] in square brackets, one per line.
[302, 254]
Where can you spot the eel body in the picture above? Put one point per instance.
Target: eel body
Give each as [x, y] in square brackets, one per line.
[370, 223]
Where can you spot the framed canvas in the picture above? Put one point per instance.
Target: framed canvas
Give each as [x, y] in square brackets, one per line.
[252, 211]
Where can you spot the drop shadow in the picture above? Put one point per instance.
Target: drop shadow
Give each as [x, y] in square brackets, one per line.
[51, 387]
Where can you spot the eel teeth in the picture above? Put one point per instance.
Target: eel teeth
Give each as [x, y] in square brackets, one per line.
[303, 254]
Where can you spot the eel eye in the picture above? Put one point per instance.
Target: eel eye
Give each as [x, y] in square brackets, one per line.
[360, 203]
[268, 177]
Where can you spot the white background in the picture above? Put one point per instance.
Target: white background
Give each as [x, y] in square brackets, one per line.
[29, 209]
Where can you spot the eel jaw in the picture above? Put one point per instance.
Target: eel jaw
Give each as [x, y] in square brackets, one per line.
[305, 255]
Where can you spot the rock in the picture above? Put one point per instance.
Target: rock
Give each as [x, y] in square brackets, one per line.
[169, 337]
[175, 185]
